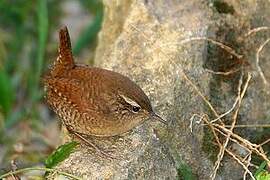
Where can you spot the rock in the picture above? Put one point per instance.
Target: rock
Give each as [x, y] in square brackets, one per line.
[146, 51]
[145, 40]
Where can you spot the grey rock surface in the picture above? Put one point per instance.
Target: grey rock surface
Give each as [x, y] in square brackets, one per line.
[231, 24]
[144, 41]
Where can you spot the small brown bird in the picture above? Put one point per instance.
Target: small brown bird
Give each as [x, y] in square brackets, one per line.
[94, 101]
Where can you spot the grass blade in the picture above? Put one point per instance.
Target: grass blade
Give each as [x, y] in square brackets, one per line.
[261, 168]
[60, 154]
[6, 93]
[42, 13]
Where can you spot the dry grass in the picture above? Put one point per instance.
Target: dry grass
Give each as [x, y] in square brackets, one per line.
[258, 60]
[224, 134]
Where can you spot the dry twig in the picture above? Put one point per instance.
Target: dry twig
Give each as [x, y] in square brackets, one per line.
[258, 59]
[223, 147]
[251, 146]
[255, 30]
[250, 126]
[243, 165]
[221, 45]
[223, 73]
[197, 121]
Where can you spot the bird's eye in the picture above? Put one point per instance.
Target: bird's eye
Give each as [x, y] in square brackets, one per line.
[135, 109]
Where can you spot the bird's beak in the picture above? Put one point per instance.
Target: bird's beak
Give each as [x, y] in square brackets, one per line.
[158, 118]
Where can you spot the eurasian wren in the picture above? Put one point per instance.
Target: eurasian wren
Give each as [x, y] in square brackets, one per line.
[94, 101]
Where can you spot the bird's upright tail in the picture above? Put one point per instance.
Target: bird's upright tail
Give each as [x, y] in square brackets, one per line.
[64, 61]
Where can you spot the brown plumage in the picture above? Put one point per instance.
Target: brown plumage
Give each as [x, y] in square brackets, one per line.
[94, 101]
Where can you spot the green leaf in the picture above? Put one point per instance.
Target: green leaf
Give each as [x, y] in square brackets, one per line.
[261, 168]
[6, 93]
[263, 175]
[60, 154]
[185, 172]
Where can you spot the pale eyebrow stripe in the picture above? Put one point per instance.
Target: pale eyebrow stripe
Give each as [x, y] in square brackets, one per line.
[130, 101]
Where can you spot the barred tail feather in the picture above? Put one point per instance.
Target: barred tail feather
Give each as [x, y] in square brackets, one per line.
[64, 61]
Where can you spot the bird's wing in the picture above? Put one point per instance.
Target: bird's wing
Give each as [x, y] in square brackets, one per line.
[76, 93]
